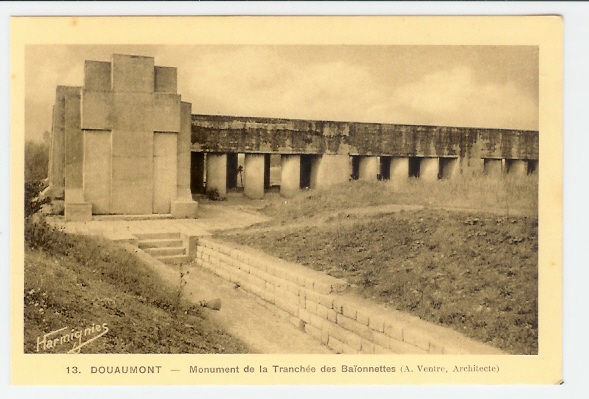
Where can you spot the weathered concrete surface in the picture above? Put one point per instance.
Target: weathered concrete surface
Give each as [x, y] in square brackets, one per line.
[58, 139]
[81, 212]
[217, 173]
[74, 148]
[290, 170]
[449, 167]
[429, 168]
[368, 168]
[164, 171]
[132, 172]
[330, 169]
[182, 205]
[166, 80]
[137, 106]
[75, 208]
[399, 169]
[254, 176]
[215, 133]
[493, 168]
[96, 169]
[132, 73]
[517, 167]
[97, 76]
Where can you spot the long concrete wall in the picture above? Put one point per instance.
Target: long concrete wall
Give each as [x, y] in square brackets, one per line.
[215, 133]
[320, 306]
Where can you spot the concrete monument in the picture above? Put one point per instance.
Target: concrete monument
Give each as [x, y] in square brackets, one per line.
[121, 143]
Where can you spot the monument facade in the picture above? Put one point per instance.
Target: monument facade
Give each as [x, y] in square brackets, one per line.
[126, 144]
[120, 144]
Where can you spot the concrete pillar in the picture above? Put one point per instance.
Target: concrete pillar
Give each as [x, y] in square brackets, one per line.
[399, 169]
[253, 180]
[74, 148]
[97, 170]
[518, 167]
[232, 166]
[368, 168]
[183, 206]
[493, 168]
[429, 169]
[217, 173]
[315, 165]
[290, 175]
[76, 209]
[197, 172]
[57, 166]
[165, 172]
[328, 169]
[449, 167]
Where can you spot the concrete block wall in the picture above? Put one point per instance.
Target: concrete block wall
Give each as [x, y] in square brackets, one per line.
[321, 307]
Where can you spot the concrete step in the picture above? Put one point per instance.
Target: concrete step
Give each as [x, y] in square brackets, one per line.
[174, 259]
[166, 251]
[157, 236]
[162, 243]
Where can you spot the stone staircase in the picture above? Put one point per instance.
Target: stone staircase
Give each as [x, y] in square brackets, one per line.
[166, 247]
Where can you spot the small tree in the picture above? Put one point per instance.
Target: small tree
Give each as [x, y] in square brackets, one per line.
[33, 203]
[36, 160]
[36, 168]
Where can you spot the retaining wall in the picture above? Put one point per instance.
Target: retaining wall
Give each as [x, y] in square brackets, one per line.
[321, 306]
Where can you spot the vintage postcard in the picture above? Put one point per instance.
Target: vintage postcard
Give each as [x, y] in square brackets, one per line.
[286, 200]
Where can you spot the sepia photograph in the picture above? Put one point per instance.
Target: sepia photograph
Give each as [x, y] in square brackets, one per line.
[357, 209]
[281, 199]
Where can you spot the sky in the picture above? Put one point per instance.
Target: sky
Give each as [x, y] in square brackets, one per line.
[472, 86]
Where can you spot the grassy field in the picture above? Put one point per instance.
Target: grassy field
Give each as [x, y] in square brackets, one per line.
[82, 282]
[467, 260]
[506, 196]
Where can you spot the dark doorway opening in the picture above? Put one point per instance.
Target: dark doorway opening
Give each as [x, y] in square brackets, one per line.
[532, 167]
[385, 168]
[306, 168]
[266, 171]
[232, 171]
[414, 166]
[355, 167]
[197, 172]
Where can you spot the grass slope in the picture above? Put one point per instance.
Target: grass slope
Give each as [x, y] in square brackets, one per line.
[508, 195]
[79, 282]
[474, 271]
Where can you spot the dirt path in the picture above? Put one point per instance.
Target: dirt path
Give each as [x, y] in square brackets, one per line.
[264, 329]
[339, 217]
[351, 215]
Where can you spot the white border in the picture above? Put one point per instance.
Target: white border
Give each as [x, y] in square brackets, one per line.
[576, 194]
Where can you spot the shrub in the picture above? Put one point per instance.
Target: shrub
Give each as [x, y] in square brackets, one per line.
[33, 203]
[36, 159]
[214, 195]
